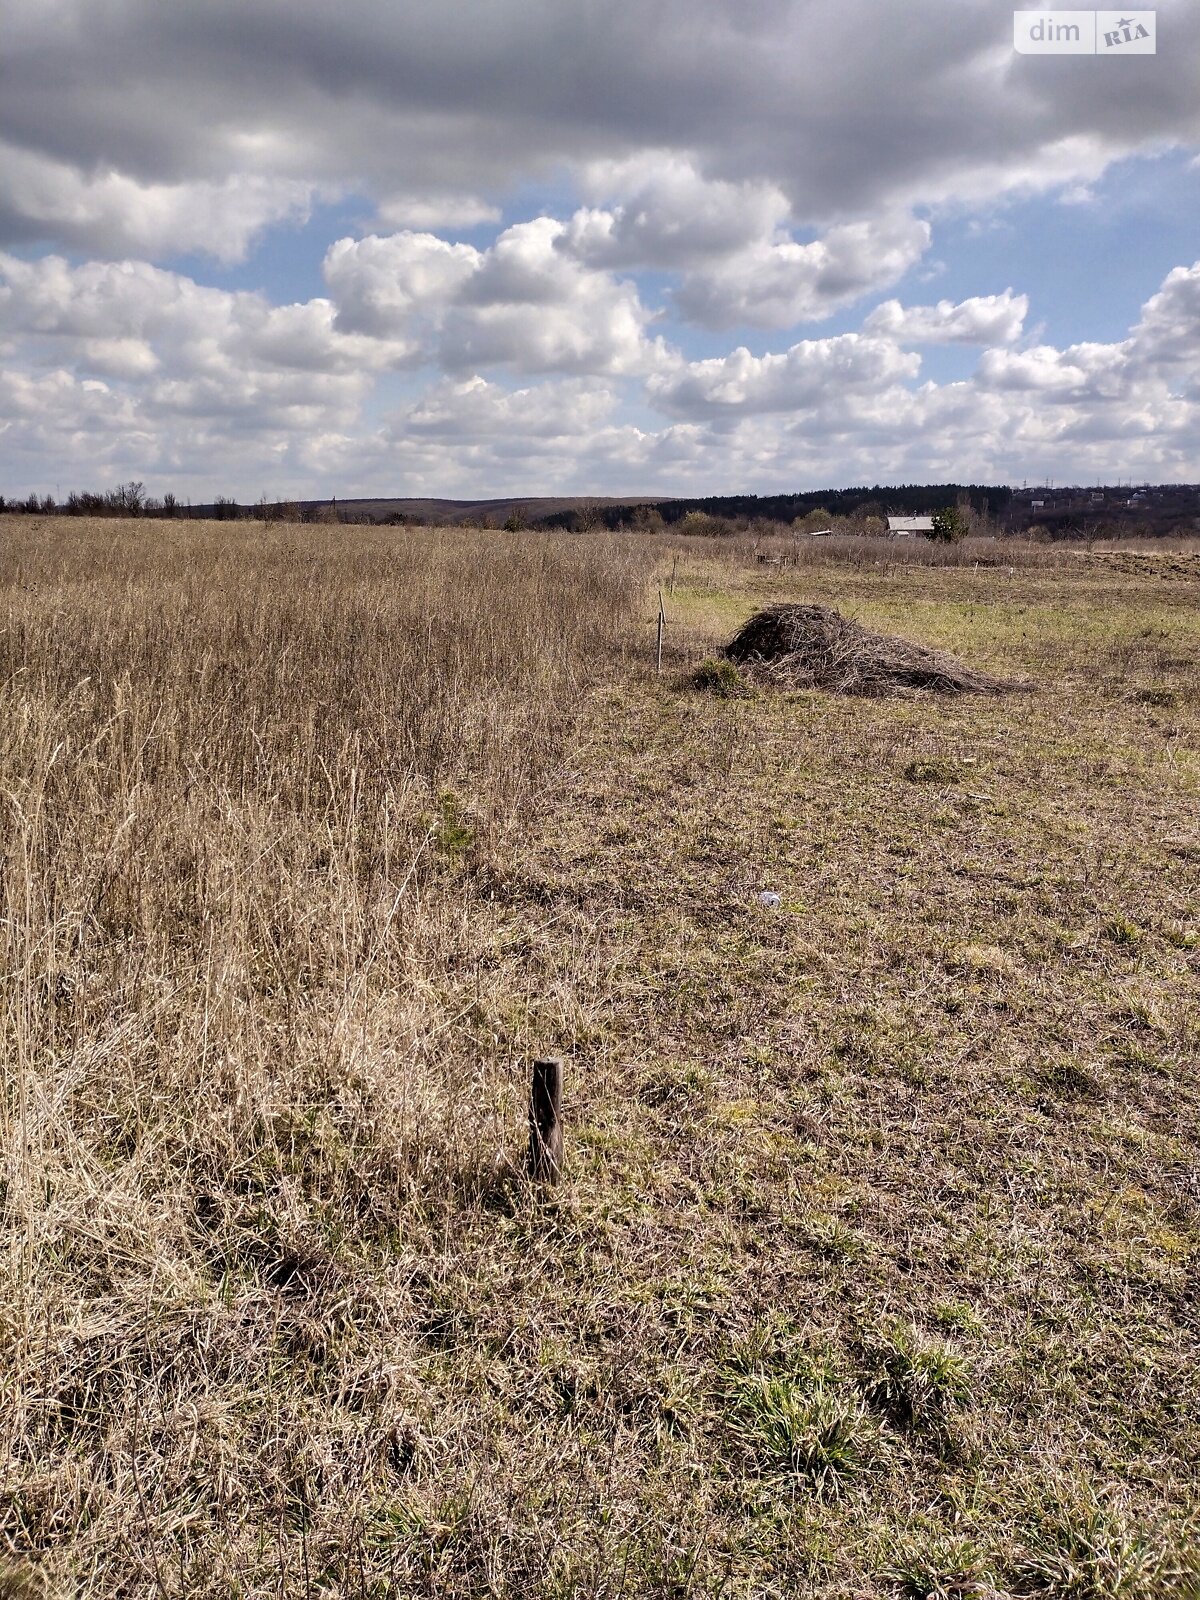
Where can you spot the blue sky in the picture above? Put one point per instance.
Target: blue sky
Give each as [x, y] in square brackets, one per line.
[554, 246]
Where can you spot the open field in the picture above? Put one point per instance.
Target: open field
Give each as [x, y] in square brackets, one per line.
[873, 1269]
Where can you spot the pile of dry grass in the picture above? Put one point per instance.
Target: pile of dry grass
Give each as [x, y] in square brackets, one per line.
[816, 647]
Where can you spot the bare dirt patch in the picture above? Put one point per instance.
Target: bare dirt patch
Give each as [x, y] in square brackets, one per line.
[1152, 563]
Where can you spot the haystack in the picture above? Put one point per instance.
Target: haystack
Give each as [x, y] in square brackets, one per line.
[816, 647]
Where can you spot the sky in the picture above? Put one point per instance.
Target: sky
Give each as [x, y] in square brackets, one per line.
[634, 247]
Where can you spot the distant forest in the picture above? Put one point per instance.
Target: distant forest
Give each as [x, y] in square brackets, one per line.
[908, 499]
[1054, 513]
[131, 499]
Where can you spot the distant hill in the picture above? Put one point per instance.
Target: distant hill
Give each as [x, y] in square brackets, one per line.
[562, 510]
[1066, 511]
[534, 507]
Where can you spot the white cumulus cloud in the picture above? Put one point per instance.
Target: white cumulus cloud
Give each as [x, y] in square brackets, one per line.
[115, 213]
[522, 302]
[990, 319]
[473, 408]
[792, 380]
[664, 213]
[776, 284]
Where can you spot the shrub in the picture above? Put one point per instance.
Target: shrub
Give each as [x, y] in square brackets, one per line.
[454, 834]
[721, 678]
[706, 526]
[949, 525]
[646, 519]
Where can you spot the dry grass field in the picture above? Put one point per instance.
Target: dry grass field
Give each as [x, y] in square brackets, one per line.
[872, 1272]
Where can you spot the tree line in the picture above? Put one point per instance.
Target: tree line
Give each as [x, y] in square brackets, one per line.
[131, 500]
[858, 505]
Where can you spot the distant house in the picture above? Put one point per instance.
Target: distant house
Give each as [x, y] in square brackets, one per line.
[906, 527]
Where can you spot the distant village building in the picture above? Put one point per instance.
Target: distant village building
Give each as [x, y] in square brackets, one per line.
[906, 527]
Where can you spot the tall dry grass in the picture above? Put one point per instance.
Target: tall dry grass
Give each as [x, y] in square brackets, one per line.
[247, 1079]
[786, 550]
[280, 924]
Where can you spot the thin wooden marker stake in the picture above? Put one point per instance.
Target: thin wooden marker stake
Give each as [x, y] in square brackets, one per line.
[545, 1120]
[662, 618]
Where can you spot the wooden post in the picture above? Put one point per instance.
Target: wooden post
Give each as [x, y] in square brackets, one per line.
[662, 618]
[545, 1120]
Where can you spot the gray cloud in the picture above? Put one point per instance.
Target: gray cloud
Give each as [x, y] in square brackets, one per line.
[843, 111]
[663, 212]
[771, 157]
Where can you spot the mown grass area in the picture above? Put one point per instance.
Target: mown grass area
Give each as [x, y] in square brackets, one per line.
[873, 1268]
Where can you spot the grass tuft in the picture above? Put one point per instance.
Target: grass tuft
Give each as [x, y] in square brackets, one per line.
[938, 1568]
[1089, 1551]
[931, 769]
[811, 1430]
[917, 1382]
[722, 679]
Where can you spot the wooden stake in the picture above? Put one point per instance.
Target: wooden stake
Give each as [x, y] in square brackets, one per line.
[545, 1120]
[662, 618]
